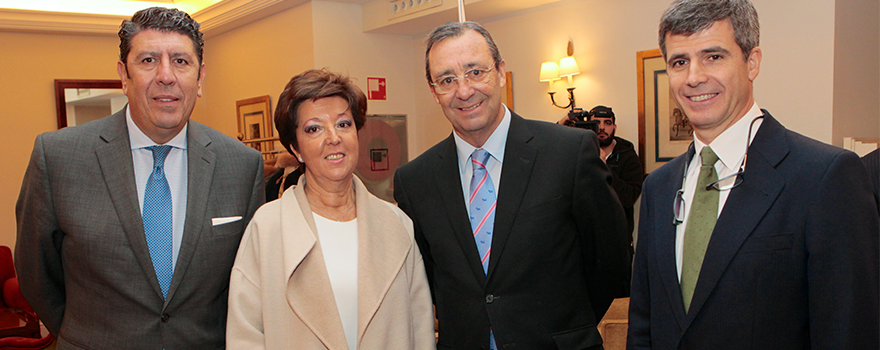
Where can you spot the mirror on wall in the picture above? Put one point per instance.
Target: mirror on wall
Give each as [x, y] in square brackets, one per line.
[81, 101]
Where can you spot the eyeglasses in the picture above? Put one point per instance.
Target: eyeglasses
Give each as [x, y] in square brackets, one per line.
[678, 205]
[449, 83]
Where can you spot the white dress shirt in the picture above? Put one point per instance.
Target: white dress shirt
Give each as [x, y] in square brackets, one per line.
[730, 147]
[494, 145]
[175, 173]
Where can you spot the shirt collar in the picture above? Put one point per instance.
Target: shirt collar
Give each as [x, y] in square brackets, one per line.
[494, 144]
[730, 145]
[140, 140]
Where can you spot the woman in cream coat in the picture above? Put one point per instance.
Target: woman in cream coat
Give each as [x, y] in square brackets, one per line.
[286, 289]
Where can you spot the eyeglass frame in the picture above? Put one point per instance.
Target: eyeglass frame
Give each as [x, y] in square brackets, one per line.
[678, 202]
[465, 76]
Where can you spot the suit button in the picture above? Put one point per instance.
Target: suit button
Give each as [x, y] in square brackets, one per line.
[165, 317]
[490, 298]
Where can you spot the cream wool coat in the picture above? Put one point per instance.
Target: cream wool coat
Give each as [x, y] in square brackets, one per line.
[280, 295]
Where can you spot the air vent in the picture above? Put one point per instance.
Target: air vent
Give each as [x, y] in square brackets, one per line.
[400, 8]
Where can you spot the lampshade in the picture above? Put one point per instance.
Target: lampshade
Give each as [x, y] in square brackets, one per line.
[549, 71]
[567, 67]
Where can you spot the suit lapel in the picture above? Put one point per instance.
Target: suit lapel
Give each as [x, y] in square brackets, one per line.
[114, 158]
[519, 158]
[309, 292]
[383, 247]
[745, 207]
[448, 181]
[200, 169]
[665, 231]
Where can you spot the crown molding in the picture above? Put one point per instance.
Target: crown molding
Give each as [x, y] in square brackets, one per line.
[229, 14]
[214, 19]
[58, 22]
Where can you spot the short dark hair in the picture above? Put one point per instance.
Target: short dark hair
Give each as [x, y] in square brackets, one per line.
[455, 30]
[686, 17]
[312, 85]
[163, 20]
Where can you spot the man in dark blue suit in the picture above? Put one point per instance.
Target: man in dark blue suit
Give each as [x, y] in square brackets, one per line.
[757, 237]
[545, 272]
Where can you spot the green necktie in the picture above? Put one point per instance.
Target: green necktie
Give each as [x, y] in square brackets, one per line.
[701, 222]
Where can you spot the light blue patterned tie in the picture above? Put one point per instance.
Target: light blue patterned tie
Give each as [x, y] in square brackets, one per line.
[158, 219]
[482, 202]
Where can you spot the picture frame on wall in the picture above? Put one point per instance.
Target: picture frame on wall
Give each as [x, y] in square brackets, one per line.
[664, 131]
[507, 97]
[382, 148]
[255, 124]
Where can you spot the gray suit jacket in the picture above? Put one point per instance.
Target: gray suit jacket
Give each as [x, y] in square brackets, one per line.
[81, 252]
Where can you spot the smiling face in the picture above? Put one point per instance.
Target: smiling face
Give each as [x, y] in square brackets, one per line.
[162, 80]
[326, 140]
[474, 111]
[709, 78]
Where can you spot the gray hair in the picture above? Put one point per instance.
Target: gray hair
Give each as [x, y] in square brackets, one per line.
[455, 30]
[686, 17]
[163, 20]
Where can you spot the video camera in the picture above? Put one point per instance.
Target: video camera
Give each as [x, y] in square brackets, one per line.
[578, 118]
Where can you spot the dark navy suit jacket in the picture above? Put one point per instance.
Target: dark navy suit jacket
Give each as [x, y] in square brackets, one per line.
[559, 252]
[792, 262]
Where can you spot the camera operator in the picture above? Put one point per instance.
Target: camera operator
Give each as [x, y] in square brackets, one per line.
[627, 174]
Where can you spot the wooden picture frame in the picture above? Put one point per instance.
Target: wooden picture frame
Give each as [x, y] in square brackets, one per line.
[255, 126]
[77, 84]
[508, 96]
[663, 132]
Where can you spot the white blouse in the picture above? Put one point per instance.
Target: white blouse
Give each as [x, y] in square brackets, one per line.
[339, 244]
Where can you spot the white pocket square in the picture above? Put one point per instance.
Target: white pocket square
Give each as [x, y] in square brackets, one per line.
[225, 220]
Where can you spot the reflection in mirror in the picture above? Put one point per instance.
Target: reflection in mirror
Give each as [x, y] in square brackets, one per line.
[81, 101]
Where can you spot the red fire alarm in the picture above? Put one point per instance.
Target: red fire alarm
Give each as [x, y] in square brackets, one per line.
[376, 88]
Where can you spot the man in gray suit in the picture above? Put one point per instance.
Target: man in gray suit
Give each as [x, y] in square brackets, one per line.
[128, 225]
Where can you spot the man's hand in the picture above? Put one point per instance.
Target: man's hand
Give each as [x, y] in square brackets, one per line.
[564, 120]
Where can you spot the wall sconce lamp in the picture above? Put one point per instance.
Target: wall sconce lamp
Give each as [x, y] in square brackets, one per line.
[567, 67]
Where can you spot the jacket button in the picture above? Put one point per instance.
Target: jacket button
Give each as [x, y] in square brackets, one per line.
[490, 298]
[165, 317]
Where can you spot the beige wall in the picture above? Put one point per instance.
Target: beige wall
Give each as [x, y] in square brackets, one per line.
[255, 60]
[31, 62]
[856, 70]
[796, 82]
[342, 46]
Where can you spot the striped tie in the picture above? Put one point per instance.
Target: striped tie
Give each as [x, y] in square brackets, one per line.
[482, 203]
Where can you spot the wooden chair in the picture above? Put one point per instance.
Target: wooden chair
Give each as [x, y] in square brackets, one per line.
[615, 324]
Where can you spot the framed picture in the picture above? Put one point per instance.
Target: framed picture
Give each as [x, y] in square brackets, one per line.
[255, 127]
[382, 149]
[507, 97]
[81, 101]
[664, 130]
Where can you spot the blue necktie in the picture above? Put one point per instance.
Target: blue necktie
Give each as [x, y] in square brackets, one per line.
[482, 202]
[157, 219]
